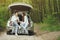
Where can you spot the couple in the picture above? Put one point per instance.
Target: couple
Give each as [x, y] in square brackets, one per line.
[15, 20]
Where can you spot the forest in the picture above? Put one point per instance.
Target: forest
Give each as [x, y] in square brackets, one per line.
[44, 12]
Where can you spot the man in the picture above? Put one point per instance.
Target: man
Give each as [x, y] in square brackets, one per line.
[14, 22]
[24, 23]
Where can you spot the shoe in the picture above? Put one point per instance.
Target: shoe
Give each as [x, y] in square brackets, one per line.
[19, 27]
[16, 34]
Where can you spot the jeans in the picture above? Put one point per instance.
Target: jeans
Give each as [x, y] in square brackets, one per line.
[24, 26]
[15, 27]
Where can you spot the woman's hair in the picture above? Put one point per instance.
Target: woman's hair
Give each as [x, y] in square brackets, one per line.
[15, 11]
[24, 13]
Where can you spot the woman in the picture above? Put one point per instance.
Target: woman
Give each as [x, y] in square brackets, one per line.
[24, 23]
[14, 22]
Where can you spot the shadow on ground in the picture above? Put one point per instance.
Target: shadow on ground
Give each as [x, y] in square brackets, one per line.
[30, 33]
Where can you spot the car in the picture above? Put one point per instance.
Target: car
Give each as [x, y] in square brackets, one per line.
[21, 7]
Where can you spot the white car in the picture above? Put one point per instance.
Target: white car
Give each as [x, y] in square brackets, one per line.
[20, 7]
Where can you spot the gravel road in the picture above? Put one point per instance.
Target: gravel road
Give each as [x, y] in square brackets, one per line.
[19, 37]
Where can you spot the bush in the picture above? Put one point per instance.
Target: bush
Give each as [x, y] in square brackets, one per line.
[51, 24]
[58, 38]
[4, 15]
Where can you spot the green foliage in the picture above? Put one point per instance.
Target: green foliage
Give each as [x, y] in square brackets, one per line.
[50, 28]
[51, 24]
[4, 15]
[50, 20]
[58, 38]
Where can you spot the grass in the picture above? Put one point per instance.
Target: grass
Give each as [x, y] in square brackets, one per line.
[4, 15]
[58, 38]
[50, 24]
[49, 27]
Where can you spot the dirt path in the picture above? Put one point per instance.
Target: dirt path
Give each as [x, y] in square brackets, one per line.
[47, 36]
[19, 37]
[50, 35]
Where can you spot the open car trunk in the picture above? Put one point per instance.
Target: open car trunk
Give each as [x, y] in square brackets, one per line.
[19, 7]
